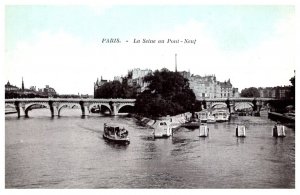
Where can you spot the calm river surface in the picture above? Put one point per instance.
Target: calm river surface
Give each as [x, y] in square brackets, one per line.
[69, 152]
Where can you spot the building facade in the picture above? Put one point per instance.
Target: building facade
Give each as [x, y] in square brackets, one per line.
[207, 87]
[136, 79]
[10, 88]
[49, 91]
[279, 92]
[139, 73]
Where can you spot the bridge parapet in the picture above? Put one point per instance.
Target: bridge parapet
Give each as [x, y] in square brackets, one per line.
[235, 99]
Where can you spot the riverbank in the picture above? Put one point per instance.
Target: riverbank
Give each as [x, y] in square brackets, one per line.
[176, 121]
[288, 118]
[10, 111]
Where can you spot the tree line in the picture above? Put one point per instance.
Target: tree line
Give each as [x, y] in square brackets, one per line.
[168, 93]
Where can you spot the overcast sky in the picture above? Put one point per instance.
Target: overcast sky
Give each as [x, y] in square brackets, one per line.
[61, 46]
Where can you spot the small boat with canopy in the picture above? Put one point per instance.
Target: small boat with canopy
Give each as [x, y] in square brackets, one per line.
[115, 134]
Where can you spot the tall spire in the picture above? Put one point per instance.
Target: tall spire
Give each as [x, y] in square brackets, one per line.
[22, 84]
[175, 62]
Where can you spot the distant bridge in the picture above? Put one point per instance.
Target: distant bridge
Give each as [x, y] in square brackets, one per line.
[23, 106]
[233, 102]
[55, 105]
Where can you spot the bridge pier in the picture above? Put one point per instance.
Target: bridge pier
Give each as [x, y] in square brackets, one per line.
[84, 108]
[20, 109]
[53, 109]
[232, 107]
[85, 111]
[21, 112]
[114, 111]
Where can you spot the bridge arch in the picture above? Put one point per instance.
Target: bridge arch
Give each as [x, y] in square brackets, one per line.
[67, 105]
[57, 104]
[240, 103]
[123, 106]
[99, 105]
[29, 106]
[216, 104]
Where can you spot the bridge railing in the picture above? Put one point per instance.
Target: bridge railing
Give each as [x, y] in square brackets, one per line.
[70, 99]
[234, 99]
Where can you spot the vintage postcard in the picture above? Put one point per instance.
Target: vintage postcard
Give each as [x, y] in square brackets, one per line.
[149, 96]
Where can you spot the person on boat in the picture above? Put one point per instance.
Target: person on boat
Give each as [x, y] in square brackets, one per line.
[117, 131]
[123, 133]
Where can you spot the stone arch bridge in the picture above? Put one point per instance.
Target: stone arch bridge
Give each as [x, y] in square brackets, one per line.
[23, 106]
[233, 102]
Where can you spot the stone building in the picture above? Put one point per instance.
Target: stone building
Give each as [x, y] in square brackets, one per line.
[267, 92]
[283, 92]
[118, 78]
[139, 73]
[279, 92]
[208, 87]
[10, 88]
[226, 89]
[136, 78]
[49, 91]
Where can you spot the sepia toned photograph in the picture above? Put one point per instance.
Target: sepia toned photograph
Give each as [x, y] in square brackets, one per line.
[149, 96]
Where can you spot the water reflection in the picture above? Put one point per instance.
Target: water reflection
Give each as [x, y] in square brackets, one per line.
[278, 140]
[116, 145]
[240, 140]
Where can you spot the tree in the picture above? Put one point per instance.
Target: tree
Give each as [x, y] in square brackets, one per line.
[250, 92]
[115, 89]
[168, 93]
[110, 90]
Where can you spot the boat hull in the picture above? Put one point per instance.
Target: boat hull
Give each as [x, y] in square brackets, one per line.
[210, 121]
[114, 140]
[191, 125]
[161, 136]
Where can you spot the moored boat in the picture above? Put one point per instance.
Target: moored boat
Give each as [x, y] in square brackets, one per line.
[202, 116]
[211, 118]
[221, 115]
[162, 129]
[115, 134]
[191, 125]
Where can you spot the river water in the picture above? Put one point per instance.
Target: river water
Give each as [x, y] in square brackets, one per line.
[69, 152]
